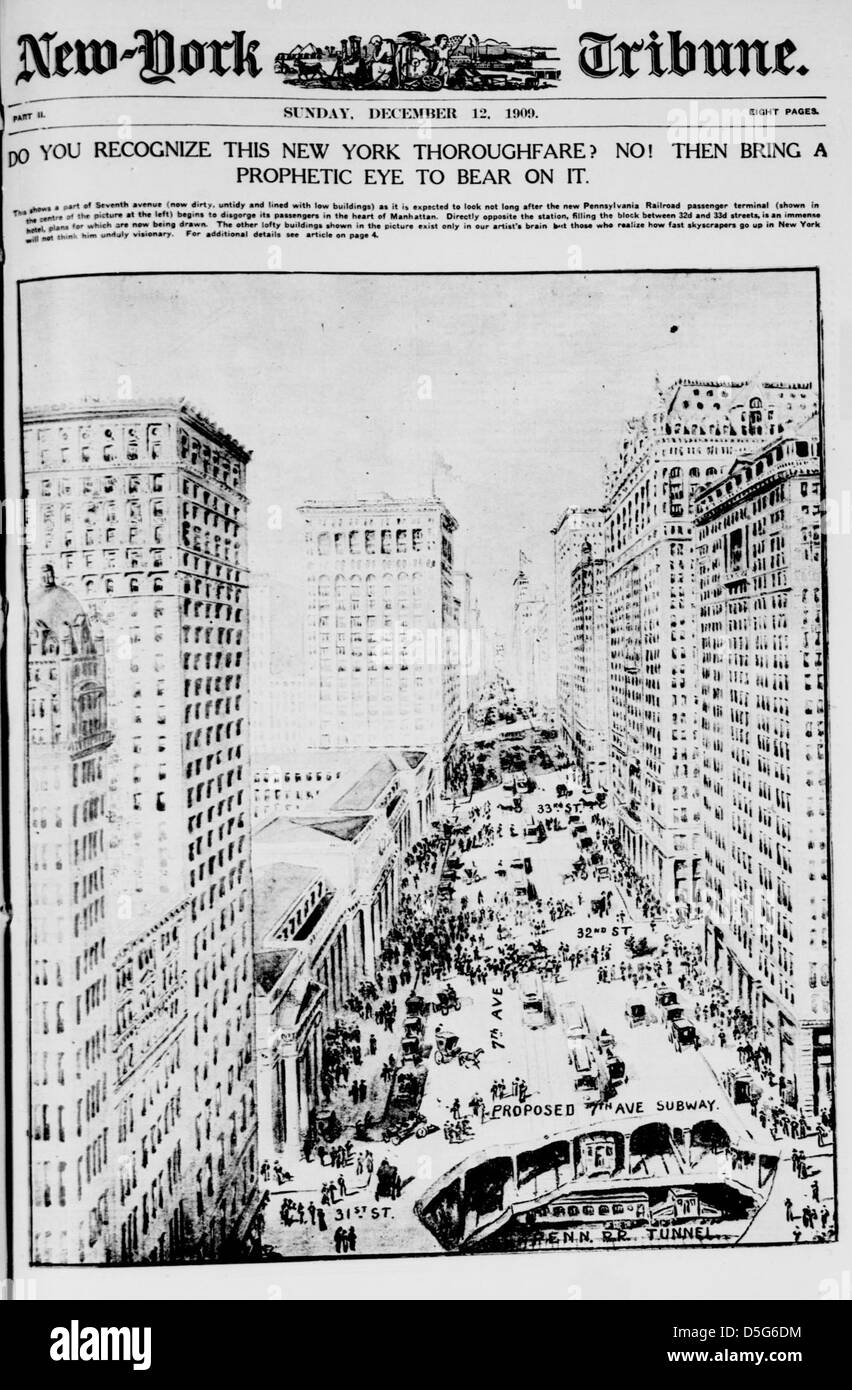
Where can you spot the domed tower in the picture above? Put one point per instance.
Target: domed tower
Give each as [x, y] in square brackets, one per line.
[68, 947]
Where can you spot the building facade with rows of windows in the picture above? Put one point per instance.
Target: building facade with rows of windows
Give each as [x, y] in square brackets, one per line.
[763, 753]
[575, 526]
[149, 1012]
[590, 712]
[533, 636]
[140, 508]
[381, 638]
[71, 1152]
[693, 431]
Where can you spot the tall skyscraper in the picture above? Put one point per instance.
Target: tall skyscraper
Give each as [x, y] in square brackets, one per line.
[692, 432]
[763, 750]
[381, 641]
[590, 704]
[533, 641]
[141, 506]
[470, 645]
[151, 1123]
[69, 738]
[575, 528]
[263, 712]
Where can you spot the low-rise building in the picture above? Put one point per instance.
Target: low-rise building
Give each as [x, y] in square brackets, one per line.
[326, 889]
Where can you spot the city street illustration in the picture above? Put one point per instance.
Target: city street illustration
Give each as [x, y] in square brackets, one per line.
[427, 779]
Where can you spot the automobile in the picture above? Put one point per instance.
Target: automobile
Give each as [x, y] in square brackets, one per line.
[674, 1013]
[535, 831]
[616, 1067]
[682, 1033]
[401, 1130]
[533, 1006]
[636, 1013]
[411, 1048]
[664, 996]
[446, 1000]
[575, 1024]
[591, 1079]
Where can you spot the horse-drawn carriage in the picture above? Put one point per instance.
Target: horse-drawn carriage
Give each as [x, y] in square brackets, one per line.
[448, 1049]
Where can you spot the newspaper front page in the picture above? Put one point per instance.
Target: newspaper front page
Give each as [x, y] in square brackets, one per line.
[425, 514]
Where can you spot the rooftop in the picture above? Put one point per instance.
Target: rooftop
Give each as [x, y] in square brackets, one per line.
[277, 888]
[269, 966]
[343, 828]
[363, 793]
[311, 832]
[413, 756]
[381, 502]
[89, 407]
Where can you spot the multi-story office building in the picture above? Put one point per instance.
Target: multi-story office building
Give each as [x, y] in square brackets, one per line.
[277, 689]
[470, 646]
[590, 697]
[69, 738]
[141, 506]
[532, 643]
[691, 433]
[263, 715]
[381, 642]
[763, 752]
[149, 1089]
[575, 526]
